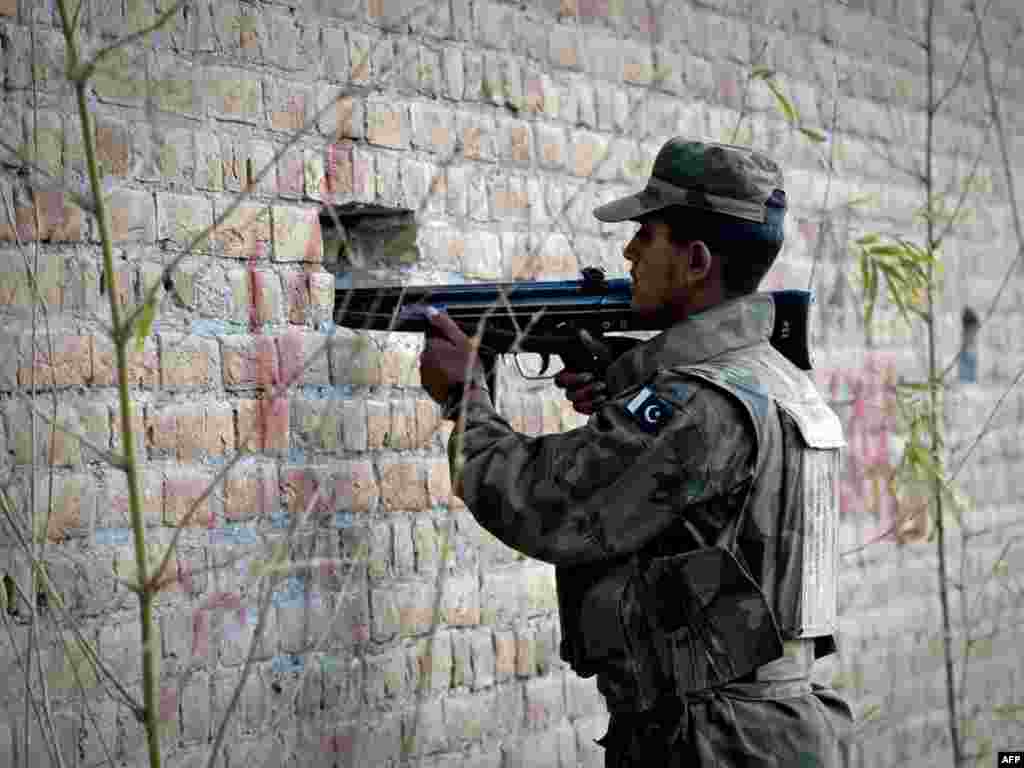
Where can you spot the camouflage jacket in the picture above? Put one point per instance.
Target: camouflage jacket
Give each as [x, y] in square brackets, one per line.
[675, 516]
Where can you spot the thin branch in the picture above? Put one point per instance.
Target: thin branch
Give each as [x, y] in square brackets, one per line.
[53, 183]
[86, 70]
[236, 695]
[997, 119]
[39, 567]
[958, 78]
[988, 423]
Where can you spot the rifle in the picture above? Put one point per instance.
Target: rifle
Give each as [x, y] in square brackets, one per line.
[568, 318]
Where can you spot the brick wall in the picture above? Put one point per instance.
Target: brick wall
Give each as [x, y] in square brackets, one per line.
[403, 628]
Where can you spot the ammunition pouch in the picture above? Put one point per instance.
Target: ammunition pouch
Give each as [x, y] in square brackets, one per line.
[680, 623]
[708, 622]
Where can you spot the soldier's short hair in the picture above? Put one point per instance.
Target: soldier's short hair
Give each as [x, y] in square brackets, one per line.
[746, 249]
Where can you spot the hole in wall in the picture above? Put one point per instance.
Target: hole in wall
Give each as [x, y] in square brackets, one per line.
[365, 245]
[967, 363]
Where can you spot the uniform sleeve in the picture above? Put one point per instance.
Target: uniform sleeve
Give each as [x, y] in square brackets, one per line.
[604, 489]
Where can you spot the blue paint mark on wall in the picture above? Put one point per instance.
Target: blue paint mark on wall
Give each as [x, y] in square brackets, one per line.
[113, 535]
[286, 662]
[232, 534]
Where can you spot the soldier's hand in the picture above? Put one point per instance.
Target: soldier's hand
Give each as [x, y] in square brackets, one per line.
[584, 390]
[449, 357]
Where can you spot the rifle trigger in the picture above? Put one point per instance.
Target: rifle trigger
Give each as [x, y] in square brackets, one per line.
[545, 361]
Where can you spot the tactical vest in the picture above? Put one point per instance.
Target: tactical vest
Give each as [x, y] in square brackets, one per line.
[698, 616]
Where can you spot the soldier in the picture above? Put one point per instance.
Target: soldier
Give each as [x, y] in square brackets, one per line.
[692, 520]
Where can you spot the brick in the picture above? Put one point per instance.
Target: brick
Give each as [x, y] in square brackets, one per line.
[174, 87]
[526, 652]
[263, 425]
[355, 359]
[460, 604]
[482, 257]
[399, 366]
[403, 486]
[191, 432]
[117, 78]
[541, 596]
[182, 490]
[231, 95]
[59, 220]
[249, 361]
[378, 424]
[244, 233]
[289, 105]
[73, 506]
[184, 221]
[454, 79]
[476, 136]
[551, 147]
[296, 234]
[432, 659]
[187, 361]
[432, 129]
[504, 655]
[209, 170]
[143, 366]
[291, 173]
[265, 297]
[56, 446]
[297, 296]
[290, 44]
[423, 187]
[341, 116]
[386, 125]
[113, 510]
[439, 486]
[316, 424]
[16, 290]
[63, 360]
[360, 48]
[303, 356]
[509, 199]
[515, 141]
[588, 152]
[132, 216]
[354, 427]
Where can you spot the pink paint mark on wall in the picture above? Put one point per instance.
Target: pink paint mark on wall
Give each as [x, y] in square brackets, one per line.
[337, 743]
[865, 399]
[236, 618]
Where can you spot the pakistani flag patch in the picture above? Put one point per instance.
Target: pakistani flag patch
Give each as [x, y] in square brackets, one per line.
[649, 410]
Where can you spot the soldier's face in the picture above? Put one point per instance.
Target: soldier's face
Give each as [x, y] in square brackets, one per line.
[655, 265]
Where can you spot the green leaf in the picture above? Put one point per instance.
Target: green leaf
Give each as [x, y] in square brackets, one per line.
[1009, 711]
[813, 134]
[145, 324]
[865, 199]
[868, 239]
[788, 110]
[871, 712]
[762, 72]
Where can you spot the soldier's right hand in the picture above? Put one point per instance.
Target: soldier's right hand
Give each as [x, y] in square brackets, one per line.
[584, 390]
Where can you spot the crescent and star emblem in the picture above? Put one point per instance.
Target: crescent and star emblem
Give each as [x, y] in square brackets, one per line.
[652, 413]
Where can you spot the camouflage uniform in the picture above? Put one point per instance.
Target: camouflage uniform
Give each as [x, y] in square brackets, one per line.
[678, 520]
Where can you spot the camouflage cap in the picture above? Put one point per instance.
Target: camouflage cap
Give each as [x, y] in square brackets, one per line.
[723, 178]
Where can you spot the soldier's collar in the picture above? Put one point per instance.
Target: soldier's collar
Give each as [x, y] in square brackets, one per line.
[730, 325]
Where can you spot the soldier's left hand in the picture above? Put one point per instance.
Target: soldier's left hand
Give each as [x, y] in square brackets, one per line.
[449, 357]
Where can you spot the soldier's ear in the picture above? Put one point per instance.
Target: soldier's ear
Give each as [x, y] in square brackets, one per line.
[698, 259]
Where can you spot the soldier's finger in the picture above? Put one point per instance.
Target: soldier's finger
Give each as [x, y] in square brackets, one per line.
[566, 379]
[589, 407]
[443, 324]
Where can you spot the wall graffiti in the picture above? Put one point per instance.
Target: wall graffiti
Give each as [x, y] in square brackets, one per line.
[865, 399]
